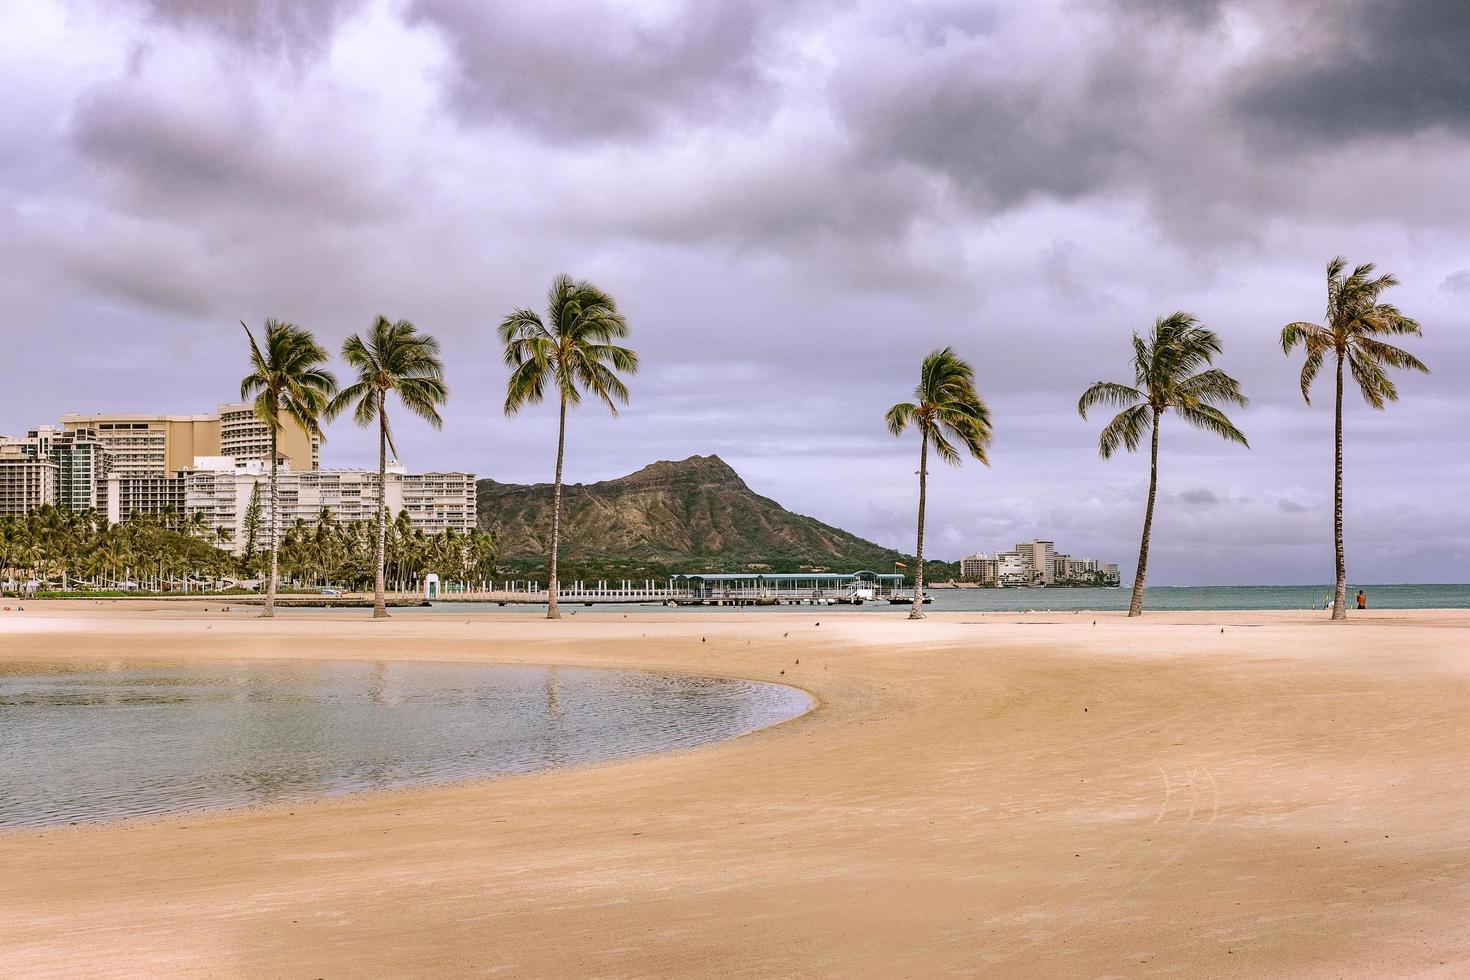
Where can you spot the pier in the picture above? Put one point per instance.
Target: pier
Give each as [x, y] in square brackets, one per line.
[738, 589]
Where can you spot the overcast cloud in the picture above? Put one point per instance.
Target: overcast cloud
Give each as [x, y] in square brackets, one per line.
[793, 201]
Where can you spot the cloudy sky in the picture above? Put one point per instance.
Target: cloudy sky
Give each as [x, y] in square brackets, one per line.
[793, 202]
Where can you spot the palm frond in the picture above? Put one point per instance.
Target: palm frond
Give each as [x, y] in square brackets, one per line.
[570, 350]
[943, 448]
[946, 408]
[1209, 387]
[898, 417]
[1211, 419]
[1108, 393]
[1127, 429]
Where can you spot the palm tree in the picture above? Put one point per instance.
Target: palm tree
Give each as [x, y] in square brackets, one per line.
[572, 350]
[393, 357]
[1166, 374]
[1355, 320]
[945, 406]
[286, 381]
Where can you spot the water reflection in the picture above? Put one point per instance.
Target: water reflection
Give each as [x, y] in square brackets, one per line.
[88, 741]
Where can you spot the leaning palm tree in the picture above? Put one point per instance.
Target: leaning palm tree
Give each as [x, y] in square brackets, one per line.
[286, 381]
[1355, 320]
[393, 357]
[1167, 374]
[945, 407]
[572, 350]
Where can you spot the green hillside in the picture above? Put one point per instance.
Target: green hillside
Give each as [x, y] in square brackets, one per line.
[696, 515]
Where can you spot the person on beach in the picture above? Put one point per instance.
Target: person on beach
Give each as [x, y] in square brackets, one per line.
[1362, 599]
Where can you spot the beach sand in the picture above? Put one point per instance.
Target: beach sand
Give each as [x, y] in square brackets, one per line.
[1189, 795]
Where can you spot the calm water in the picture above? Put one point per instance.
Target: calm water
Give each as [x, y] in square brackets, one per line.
[105, 740]
[1163, 598]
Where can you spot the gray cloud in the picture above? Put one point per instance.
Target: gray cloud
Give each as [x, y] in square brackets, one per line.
[295, 28]
[1457, 282]
[999, 127]
[1369, 69]
[589, 71]
[227, 151]
[1195, 13]
[1199, 497]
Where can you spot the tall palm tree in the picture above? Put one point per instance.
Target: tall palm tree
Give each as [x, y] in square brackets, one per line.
[945, 407]
[286, 381]
[392, 357]
[1167, 373]
[572, 350]
[1355, 320]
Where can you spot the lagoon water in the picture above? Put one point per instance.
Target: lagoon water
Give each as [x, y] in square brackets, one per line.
[105, 740]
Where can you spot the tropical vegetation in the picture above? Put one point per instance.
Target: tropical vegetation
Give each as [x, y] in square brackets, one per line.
[393, 358]
[1351, 333]
[1171, 371]
[572, 350]
[79, 551]
[951, 416]
[286, 381]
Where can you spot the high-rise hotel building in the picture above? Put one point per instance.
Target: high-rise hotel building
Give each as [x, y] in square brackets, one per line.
[119, 464]
[145, 445]
[26, 480]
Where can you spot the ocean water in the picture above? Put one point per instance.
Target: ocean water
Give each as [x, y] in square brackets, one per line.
[1200, 597]
[105, 740]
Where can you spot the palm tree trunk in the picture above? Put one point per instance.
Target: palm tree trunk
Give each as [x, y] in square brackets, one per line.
[561, 443]
[380, 605]
[1339, 597]
[918, 611]
[1135, 605]
[270, 588]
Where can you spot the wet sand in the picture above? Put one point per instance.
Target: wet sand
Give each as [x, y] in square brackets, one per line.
[986, 794]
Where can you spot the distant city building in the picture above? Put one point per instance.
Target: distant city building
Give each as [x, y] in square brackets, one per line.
[146, 445]
[27, 481]
[78, 465]
[220, 488]
[82, 464]
[243, 436]
[1033, 563]
[211, 464]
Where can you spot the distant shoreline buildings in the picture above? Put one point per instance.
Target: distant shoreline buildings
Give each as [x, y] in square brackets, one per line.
[213, 465]
[1036, 563]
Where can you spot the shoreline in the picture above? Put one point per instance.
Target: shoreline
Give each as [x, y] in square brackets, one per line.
[1006, 794]
[290, 803]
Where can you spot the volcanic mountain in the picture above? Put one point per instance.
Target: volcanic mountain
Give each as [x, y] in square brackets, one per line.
[688, 516]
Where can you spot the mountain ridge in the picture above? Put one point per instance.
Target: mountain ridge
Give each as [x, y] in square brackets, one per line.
[696, 515]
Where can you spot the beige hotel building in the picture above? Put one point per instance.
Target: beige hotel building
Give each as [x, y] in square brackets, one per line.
[144, 445]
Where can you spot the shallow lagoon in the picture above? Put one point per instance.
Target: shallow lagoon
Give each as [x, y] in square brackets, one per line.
[106, 740]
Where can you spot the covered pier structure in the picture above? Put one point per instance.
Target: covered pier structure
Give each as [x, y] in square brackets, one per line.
[785, 588]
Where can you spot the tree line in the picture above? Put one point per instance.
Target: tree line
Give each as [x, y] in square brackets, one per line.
[167, 550]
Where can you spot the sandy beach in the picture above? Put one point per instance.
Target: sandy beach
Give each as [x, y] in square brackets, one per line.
[1190, 795]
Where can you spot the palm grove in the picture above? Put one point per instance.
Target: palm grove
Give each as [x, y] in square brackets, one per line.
[574, 350]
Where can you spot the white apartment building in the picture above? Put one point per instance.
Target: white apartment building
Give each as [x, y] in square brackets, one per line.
[1031, 563]
[220, 488]
[243, 436]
